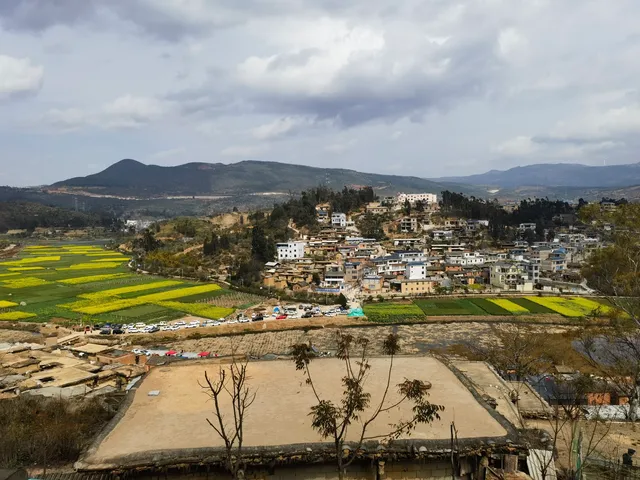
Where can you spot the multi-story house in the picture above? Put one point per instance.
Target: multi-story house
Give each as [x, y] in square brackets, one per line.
[290, 250]
[353, 272]
[415, 271]
[428, 198]
[339, 220]
[555, 261]
[510, 276]
[409, 224]
[465, 258]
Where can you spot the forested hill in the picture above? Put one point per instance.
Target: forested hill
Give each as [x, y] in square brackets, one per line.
[132, 178]
[27, 215]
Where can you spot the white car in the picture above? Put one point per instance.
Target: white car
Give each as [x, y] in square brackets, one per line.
[138, 351]
[232, 321]
[244, 320]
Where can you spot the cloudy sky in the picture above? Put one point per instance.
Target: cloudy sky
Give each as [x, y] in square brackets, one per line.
[420, 87]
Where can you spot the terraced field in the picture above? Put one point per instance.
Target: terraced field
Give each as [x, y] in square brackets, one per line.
[570, 307]
[68, 283]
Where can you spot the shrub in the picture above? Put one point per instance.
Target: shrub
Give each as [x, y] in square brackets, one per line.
[34, 429]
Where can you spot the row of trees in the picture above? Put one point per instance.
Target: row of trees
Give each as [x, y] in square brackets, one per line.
[29, 216]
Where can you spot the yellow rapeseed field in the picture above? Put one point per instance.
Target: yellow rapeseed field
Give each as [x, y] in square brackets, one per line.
[199, 309]
[90, 266]
[114, 292]
[30, 260]
[93, 278]
[16, 315]
[508, 305]
[7, 304]
[24, 282]
[24, 269]
[121, 304]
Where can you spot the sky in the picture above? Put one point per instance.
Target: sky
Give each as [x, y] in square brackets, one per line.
[409, 87]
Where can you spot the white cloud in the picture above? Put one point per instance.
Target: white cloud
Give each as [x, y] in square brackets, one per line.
[518, 146]
[130, 111]
[341, 146]
[280, 127]
[124, 112]
[170, 153]
[244, 151]
[19, 76]
[66, 119]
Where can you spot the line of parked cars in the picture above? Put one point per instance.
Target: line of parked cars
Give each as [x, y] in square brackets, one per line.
[289, 311]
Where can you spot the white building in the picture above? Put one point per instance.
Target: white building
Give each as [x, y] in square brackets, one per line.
[416, 271]
[290, 250]
[428, 198]
[339, 220]
[466, 259]
[523, 227]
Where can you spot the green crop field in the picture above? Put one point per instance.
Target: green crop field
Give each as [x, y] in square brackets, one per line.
[67, 283]
[392, 312]
[570, 307]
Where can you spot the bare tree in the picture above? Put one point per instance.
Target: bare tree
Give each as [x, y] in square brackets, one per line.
[232, 397]
[568, 428]
[515, 350]
[334, 421]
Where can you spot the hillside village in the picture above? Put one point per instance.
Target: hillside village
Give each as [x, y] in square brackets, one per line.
[426, 251]
[351, 262]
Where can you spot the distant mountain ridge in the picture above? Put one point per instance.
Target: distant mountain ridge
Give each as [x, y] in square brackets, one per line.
[133, 178]
[555, 175]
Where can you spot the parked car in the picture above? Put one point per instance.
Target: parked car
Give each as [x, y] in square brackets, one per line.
[257, 318]
[118, 331]
[281, 317]
[307, 315]
[105, 331]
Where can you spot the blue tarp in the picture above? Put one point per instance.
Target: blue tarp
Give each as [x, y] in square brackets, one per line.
[356, 312]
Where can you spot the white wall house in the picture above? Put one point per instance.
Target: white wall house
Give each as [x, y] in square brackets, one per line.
[429, 198]
[290, 250]
[416, 271]
[339, 220]
[467, 258]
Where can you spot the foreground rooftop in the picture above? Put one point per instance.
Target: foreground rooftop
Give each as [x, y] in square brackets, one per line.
[171, 427]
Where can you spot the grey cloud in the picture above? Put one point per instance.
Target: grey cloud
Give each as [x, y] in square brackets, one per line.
[295, 59]
[356, 96]
[157, 18]
[37, 15]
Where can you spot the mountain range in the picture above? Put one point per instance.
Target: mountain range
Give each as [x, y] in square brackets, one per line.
[134, 179]
[555, 175]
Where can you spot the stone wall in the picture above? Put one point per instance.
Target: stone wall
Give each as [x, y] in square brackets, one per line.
[424, 470]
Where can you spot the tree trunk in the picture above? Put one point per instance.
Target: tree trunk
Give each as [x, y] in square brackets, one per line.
[633, 404]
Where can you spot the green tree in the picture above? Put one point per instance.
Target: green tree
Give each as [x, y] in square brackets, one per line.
[334, 421]
[342, 300]
[263, 249]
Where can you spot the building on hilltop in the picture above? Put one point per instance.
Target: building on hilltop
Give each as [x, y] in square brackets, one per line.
[428, 198]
